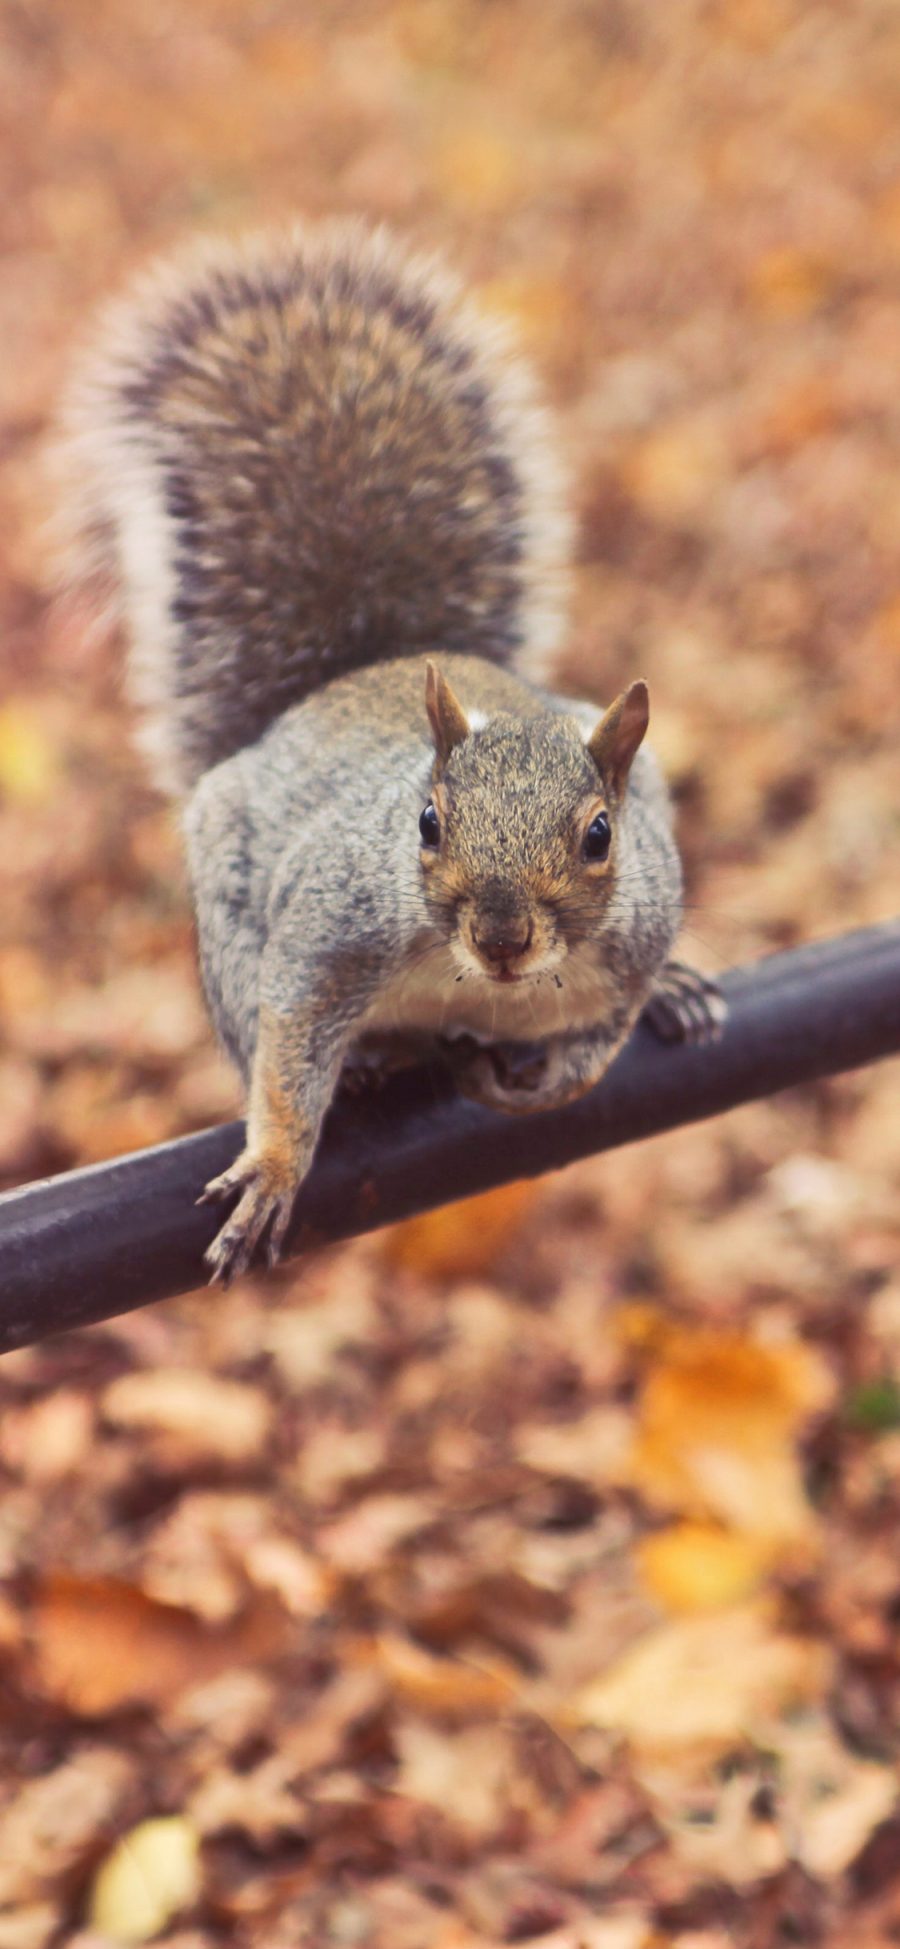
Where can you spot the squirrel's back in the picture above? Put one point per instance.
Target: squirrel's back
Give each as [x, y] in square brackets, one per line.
[300, 455]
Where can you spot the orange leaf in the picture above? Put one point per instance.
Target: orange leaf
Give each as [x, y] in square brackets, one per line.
[99, 1644]
[461, 1240]
[696, 1567]
[442, 1687]
[716, 1427]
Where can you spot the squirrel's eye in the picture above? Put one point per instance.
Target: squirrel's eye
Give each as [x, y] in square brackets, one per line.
[430, 826]
[597, 838]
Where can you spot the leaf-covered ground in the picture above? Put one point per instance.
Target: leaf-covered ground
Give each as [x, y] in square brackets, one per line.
[530, 1574]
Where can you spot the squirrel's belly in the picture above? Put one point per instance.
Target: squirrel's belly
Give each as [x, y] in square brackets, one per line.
[433, 998]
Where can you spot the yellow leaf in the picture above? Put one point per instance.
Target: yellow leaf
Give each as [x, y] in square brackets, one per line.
[150, 1876]
[716, 1426]
[703, 1680]
[28, 767]
[460, 1240]
[697, 1567]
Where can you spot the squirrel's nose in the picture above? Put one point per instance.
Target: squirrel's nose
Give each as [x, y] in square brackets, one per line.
[505, 942]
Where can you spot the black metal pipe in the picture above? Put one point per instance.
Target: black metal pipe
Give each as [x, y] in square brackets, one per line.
[90, 1244]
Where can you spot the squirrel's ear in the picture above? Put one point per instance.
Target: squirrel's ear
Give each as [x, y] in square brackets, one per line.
[619, 732]
[448, 720]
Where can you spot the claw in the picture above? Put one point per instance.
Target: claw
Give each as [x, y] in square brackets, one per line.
[238, 1175]
[278, 1230]
[687, 1006]
[265, 1201]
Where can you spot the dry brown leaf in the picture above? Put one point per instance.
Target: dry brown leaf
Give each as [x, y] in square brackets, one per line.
[333, 1455]
[714, 1826]
[202, 1413]
[831, 1799]
[226, 1710]
[627, 1931]
[49, 1438]
[706, 1680]
[278, 1564]
[465, 1773]
[99, 1645]
[257, 1802]
[307, 1341]
[358, 1542]
[444, 1688]
[204, 1555]
[54, 1822]
[595, 1448]
[29, 1927]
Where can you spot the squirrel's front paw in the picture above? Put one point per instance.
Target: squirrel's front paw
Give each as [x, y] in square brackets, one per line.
[687, 1006]
[268, 1186]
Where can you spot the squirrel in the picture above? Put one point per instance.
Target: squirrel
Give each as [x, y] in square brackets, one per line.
[321, 490]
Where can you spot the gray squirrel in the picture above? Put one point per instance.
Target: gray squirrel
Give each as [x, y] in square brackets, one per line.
[321, 492]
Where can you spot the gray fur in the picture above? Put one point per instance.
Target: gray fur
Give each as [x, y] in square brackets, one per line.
[305, 860]
[308, 471]
[299, 456]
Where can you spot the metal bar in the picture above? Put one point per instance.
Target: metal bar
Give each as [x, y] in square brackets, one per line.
[93, 1243]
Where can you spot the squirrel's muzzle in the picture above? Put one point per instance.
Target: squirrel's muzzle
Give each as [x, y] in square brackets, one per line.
[503, 942]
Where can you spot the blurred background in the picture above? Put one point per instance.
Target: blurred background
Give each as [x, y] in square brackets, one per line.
[530, 1572]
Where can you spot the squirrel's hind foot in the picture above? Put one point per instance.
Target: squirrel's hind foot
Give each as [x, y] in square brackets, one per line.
[687, 1006]
[264, 1206]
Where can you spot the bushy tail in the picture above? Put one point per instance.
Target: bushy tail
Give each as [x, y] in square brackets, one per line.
[299, 455]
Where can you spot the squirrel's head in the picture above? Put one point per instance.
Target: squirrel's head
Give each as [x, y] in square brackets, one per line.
[519, 839]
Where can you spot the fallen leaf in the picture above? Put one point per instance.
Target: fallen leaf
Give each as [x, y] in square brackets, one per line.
[832, 1799]
[152, 1874]
[29, 766]
[258, 1802]
[451, 1688]
[99, 1644]
[31, 1927]
[703, 1680]
[466, 1775]
[205, 1414]
[460, 1240]
[53, 1823]
[357, 1542]
[717, 1421]
[49, 1438]
[696, 1567]
[593, 1449]
[715, 1825]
